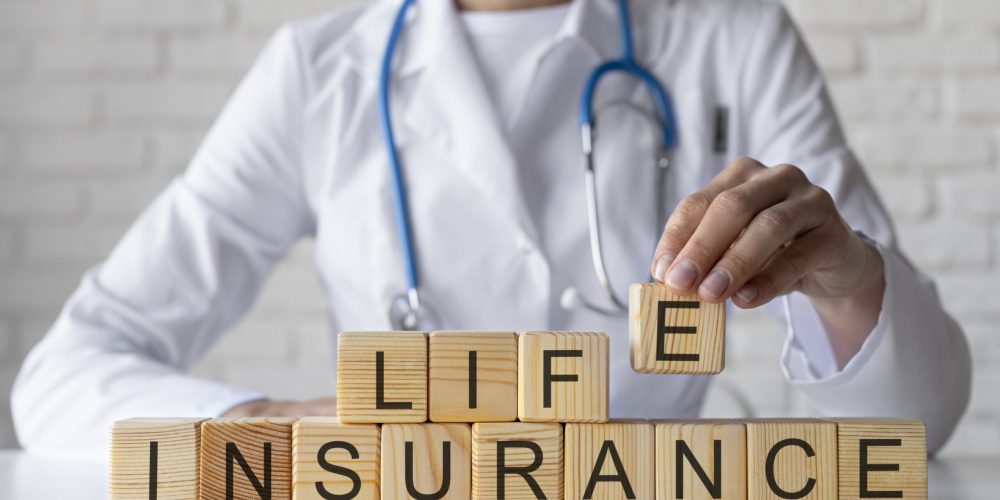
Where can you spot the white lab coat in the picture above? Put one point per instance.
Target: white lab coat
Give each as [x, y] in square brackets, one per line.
[298, 153]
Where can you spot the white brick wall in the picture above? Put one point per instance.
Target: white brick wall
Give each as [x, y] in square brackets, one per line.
[126, 88]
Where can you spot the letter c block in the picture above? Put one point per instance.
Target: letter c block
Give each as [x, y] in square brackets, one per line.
[792, 459]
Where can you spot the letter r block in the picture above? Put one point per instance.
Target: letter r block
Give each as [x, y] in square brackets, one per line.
[246, 458]
[427, 461]
[155, 457]
[882, 458]
[674, 334]
[613, 460]
[517, 460]
[562, 377]
[382, 377]
[795, 458]
[335, 460]
[701, 459]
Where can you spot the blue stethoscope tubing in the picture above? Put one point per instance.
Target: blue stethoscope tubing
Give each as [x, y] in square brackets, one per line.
[405, 309]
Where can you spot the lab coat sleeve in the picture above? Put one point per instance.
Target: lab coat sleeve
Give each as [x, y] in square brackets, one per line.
[915, 362]
[185, 271]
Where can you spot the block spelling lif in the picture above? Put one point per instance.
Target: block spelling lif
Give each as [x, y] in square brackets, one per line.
[611, 461]
[473, 376]
[155, 458]
[331, 459]
[562, 377]
[246, 458]
[382, 377]
[427, 461]
[882, 458]
[701, 460]
[671, 334]
[794, 458]
[517, 461]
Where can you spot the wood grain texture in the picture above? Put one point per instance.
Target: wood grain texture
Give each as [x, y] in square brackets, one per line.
[793, 469]
[311, 434]
[589, 459]
[548, 476]
[178, 442]
[707, 321]
[251, 436]
[405, 376]
[495, 372]
[582, 400]
[700, 436]
[909, 453]
[428, 460]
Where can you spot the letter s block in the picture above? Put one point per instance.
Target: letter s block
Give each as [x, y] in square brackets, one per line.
[882, 458]
[427, 461]
[517, 460]
[562, 377]
[335, 460]
[155, 458]
[795, 458]
[674, 334]
[613, 461]
[381, 377]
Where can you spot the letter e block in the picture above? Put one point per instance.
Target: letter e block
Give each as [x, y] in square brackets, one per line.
[155, 458]
[674, 334]
[701, 460]
[426, 461]
[473, 377]
[792, 459]
[517, 460]
[612, 461]
[562, 377]
[381, 377]
[246, 458]
[335, 460]
[882, 458]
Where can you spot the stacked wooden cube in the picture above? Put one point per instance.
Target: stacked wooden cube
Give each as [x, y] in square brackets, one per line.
[459, 415]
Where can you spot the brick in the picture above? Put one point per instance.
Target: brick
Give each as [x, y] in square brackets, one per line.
[976, 97]
[866, 99]
[82, 153]
[934, 52]
[130, 56]
[70, 243]
[175, 14]
[945, 245]
[11, 59]
[186, 102]
[39, 17]
[36, 291]
[267, 15]
[213, 55]
[845, 13]
[973, 437]
[26, 201]
[925, 150]
[834, 54]
[173, 150]
[984, 343]
[968, 294]
[753, 339]
[293, 288]
[46, 106]
[282, 380]
[906, 197]
[264, 341]
[312, 344]
[122, 200]
[6, 244]
[964, 13]
[972, 195]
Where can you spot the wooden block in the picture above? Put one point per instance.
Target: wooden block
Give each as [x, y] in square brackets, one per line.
[701, 460]
[335, 460]
[426, 461]
[473, 376]
[609, 461]
[674, 334]
[792, 459]
[882, 458]
[562, 377]
[246, 458]
[517, 460]
[382, 377]
[155, 458]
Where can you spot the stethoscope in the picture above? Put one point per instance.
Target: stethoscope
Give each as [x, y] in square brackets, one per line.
[406, 312]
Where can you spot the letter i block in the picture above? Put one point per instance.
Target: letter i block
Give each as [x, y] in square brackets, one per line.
[517, 460]
[382, 377]
[426, 461]
[562, 377]
[155, 458]
[335, 460]
[246, 458]
[612, 460]
[473, 377]
[674, 334]
[701, 460]
[882, 458]
[792, 459]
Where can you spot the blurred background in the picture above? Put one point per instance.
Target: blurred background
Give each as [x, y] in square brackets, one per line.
[102, 102]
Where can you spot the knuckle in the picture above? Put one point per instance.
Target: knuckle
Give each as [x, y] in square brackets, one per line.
[775, 220]
[790, 174]
[693, 204]
[820, 197]
[739, 263]
[732, 201]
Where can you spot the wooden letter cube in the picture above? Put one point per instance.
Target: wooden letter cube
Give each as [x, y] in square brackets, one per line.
[155, 458]
[792, 459]
[426, 461]
[701, 460]
[674, 334]
[562, 377]
[473, 377]
[611, 461]
[333, 459]
[517, 460]
[246, 458]
[882, 458]
[382, 377]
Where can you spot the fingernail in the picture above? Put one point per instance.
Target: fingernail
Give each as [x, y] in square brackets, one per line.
[715, 283]
[683, 275]
[748, 292]
[662, 264]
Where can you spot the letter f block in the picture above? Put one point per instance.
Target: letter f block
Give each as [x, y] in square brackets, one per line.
[562, 377]
[674, 334]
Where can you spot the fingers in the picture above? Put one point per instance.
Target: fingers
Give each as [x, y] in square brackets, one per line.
[785, 270]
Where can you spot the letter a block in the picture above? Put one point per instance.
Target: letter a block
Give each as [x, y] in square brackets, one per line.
[882, 458]
[611, 461]
[246, 458]
[562, 377]
[701, 460]
[792, 459]
[517, 460]
[155, 458]
[382, 377]
[473, 377]
[426, 461]
[335, 460]
[674, 334]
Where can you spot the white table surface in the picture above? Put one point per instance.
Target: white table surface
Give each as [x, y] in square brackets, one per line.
[28, 477]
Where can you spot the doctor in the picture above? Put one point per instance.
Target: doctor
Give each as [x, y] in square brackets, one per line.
[763, 203]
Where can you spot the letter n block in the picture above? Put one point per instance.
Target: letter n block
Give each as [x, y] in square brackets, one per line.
[674, 334]
[882, 458]
[562, 377]
[517, 460]
[701, 460]
[473, 376]
[612, 460]
[246, 458]
[792, 459]
[382, 377]
[155, 458]
[427, 461]
[335, 460]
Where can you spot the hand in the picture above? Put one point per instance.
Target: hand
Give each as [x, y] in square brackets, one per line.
[265, 408]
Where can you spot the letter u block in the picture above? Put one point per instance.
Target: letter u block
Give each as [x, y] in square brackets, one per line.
[562, 377]
[792, 459]
[517, 460]
[674, 334]
[335, 460]
[246, 458]
[473, 376]
[382, 377]
[610, 461]
[155, 458]
[427, 461]
[882, 458]
[701, 459]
